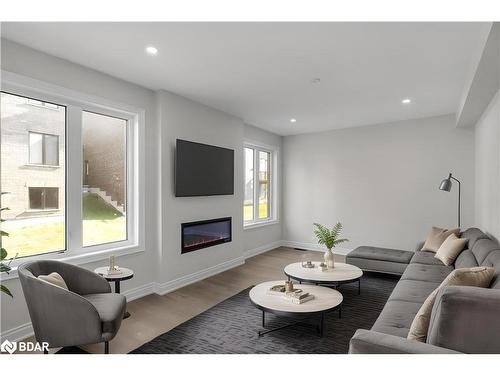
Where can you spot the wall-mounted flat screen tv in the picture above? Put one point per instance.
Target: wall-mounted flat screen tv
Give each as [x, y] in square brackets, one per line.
[202, 170]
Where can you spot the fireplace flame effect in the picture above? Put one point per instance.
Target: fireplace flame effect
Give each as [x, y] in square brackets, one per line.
[204, 240]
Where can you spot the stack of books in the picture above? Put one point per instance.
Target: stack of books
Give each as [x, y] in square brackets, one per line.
[297, 296]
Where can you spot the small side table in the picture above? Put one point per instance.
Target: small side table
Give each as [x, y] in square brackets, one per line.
[126, 274]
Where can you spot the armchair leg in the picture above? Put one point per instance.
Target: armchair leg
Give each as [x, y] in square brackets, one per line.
[106, 347]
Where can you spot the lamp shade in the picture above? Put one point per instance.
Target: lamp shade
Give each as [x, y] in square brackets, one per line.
[445, 184]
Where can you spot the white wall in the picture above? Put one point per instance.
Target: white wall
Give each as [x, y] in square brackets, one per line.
[380, 181]
[487, 168]
[185, 119]
[256, 239]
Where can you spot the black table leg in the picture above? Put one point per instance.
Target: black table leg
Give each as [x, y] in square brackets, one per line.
[263, 319]
[117, 290]
[359, 287]
[340, 312]
[322, 324]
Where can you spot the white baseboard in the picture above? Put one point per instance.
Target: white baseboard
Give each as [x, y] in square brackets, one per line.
[18, 333]
[314, 247]
[262, 249]
[139, 291]
[170, 286]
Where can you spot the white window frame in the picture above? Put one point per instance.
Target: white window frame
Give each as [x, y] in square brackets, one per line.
[273, 186]
[75, 103]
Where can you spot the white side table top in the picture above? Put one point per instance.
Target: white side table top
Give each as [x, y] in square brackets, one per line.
[324, 298]
[125, 274]
[341, 272]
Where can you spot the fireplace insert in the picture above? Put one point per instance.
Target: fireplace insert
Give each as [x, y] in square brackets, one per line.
[200, 234]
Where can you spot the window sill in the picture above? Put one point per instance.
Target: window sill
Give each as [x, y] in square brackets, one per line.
[42, 166]
[41, 210]
[76, 259]
[260, 224]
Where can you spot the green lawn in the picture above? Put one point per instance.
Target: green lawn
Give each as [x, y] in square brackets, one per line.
[248, 211]
[101, 224]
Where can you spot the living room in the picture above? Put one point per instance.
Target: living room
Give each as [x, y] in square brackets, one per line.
[250, 187]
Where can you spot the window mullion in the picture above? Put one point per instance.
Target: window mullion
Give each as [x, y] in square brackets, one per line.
[74, 179]
[256, 184]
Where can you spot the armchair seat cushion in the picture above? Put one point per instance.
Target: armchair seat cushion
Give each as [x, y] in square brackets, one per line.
[110, 307]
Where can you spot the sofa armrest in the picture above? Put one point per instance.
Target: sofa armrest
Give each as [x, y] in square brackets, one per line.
[371, 342]
[466, 319]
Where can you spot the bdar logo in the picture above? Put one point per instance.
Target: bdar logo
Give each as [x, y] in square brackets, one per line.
[9, 347]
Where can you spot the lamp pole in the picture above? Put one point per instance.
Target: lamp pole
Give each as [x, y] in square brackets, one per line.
[459, 193]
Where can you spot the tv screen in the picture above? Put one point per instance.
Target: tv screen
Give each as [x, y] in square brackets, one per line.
[203, 170]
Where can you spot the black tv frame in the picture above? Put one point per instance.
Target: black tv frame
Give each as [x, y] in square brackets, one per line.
[176, 166]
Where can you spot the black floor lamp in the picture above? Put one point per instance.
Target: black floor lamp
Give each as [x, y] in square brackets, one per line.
[446, 186]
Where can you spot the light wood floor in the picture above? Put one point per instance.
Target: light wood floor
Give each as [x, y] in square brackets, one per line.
[153, 315]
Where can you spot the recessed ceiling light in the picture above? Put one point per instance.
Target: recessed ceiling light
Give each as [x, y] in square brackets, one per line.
[406, 101]
[316, 80]
[293, 120]
[151, 50]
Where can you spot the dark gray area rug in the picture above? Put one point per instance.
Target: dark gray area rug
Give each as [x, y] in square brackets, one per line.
[231, 326]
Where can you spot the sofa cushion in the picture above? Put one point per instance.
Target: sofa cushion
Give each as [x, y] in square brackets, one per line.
[396, 318]
[412, 291]
[466, 259]
[110, 307]
[425, 257]
[483, 247]
[426, 272]
[472, 235]
[381, 254]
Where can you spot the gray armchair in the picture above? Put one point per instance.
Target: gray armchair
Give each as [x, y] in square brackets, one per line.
[87, 313]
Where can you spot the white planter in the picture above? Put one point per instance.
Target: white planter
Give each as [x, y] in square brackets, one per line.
[329, 258]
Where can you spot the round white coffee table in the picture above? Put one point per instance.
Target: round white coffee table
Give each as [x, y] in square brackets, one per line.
[342, 273]
[325, 300]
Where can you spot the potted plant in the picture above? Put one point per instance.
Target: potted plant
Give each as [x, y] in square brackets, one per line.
[329, 238]
[4, 267]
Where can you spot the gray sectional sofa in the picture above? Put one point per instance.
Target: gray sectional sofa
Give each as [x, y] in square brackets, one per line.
[464, 319]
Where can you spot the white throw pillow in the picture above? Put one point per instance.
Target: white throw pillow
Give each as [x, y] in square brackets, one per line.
[55, 279]
[449, 250]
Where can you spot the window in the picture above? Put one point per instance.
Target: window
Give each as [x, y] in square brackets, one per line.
[42, 198]
[72, 200]
[258, 204]
[43, 149]
[36, 220]
[104, 179]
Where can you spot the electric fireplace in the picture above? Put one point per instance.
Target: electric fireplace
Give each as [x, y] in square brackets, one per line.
[200, 234]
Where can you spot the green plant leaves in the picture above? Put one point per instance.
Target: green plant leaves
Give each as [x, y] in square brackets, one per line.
[6, 290]
[329, 237]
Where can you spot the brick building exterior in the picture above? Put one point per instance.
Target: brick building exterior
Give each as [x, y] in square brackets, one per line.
[32, 131]
[104, 146]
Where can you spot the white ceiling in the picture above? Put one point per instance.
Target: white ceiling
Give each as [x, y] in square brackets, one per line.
[262, 72]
